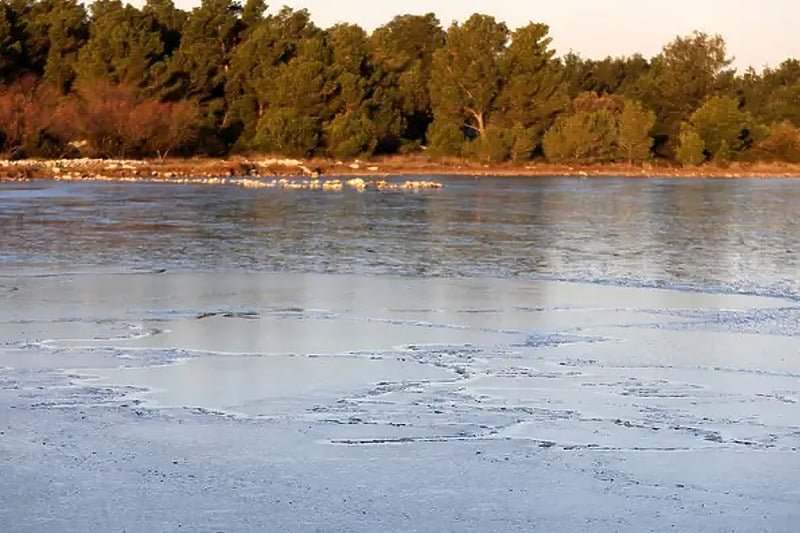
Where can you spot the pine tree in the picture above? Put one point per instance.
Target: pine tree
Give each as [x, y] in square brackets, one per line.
[691, 150]
[635, 125]
[401, 58]
[467, 77]
[124, 46]
[532, 93]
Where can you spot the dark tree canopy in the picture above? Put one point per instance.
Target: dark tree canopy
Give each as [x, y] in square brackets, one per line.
[236, 76]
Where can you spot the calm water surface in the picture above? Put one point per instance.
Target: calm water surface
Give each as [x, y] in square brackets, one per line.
[739, 235]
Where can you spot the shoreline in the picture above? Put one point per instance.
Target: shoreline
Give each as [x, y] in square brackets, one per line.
[200, 169]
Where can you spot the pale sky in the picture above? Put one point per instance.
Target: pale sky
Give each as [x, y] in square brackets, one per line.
[758, 32]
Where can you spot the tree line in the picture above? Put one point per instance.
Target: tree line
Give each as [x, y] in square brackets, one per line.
[119, 81]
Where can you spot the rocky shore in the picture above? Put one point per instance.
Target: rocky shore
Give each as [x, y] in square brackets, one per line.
[295, 173]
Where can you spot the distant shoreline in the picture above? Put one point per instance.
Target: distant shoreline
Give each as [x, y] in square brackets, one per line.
[153, 170]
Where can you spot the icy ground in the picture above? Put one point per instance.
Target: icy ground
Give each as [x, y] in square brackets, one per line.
[174, 401]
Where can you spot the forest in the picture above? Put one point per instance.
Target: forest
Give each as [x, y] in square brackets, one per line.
[114, 80]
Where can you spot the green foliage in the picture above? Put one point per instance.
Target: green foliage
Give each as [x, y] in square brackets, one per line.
[601, 129]
[691, 150]
[401, 57]
[445, 138]
[273, 81]
[198, 69]
[493, 146]
[687, 73]
[773, 95]
[124, 46]
[532, 93]
[266, 72]
[612, 75]
[466, 77]
[523, 142]
[726, 131]
[67, 31]
[350, 135]
[11, 44]
[282, 131]
[633, 137]
[584, 137]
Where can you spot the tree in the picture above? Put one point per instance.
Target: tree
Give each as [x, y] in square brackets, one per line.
[691, 150]
[726, 131]
[401, 56]
[253, 13]
[532, 92]
[772, 96]
[601, 129]
[688, 72]
[12, 46]
[445, 138]
[254, 81]
[124, 46]
[169, 20]
[296, 96]
[67, 31]
[115, 121]
[612, 75]
[466, 77]
[583, 137]
[198, 69]
[635, 125]
[351, 131]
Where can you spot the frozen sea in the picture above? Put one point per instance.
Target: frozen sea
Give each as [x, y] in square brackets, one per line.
[555, 355]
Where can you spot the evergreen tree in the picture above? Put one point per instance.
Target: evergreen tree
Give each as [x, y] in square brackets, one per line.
[12, 45]
[726, 131]
[67, 29]
[687, 72]
[351, 131]
[467, 77]
[124, 46]
[601, 129]
[588, 134]
[253, 86]
[635, 125]
[198, 69]
[401, 56]
[532, 92]
[691, 150]
[169, 20]
[297, 98]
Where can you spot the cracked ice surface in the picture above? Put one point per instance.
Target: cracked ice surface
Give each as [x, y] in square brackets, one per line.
[231, 401]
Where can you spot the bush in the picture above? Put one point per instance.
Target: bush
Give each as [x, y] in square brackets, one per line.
[585, 137]
[113, 122]
[286, 132]
[691, 150]
[445, 138]
[350, 135]
[27, 120]
[494, 146]
[782, 144]
[725, 130]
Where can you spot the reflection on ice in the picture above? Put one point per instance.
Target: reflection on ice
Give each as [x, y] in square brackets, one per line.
[264, 385]
[612, 358]
[568, 384]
